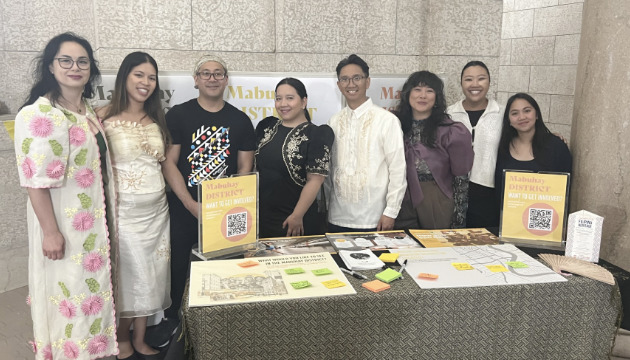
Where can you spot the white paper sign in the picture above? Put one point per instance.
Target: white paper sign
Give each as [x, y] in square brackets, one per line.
[584, 236]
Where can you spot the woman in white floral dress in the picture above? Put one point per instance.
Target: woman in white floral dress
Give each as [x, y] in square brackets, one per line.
[62, 162]
[136, 131]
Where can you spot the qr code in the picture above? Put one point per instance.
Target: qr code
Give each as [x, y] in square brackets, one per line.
[237, 224]
[540, 219]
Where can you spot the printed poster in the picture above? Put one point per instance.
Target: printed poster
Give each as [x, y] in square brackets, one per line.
[229, 216]
[534, 206]
[236, 281]
[454, 237]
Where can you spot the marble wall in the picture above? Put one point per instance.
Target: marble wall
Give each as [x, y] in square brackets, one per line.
[540, 40]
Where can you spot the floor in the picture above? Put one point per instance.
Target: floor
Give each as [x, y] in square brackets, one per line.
[16, 329]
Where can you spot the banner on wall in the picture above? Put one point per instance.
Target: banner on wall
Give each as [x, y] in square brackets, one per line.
[254, 93]
[534, 207]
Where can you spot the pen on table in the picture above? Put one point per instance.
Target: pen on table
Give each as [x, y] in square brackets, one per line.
[354, 273]
[402, 268]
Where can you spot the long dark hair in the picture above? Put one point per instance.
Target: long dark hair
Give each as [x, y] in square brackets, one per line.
[45, 82]
[120, 98]
[541, 132]
[438, 113]
[299, 88]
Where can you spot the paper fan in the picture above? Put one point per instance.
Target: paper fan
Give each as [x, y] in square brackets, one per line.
[579, 267]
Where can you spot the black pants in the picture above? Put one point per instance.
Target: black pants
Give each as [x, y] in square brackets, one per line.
[483, 207]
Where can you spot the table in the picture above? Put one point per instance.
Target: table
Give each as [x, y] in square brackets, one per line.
[569, 320]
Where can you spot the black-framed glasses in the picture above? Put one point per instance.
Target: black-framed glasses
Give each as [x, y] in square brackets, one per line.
[355, 79]
[206, 75]
[67, 63]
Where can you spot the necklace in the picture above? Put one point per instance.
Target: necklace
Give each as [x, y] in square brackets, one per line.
[78, 108]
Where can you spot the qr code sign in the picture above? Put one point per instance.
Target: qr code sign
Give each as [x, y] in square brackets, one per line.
[540, 219]
[237, 224]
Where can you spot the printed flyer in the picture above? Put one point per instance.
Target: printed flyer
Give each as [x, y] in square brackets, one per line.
[228, 213]
[534, 206]
[454, 237]
[238, 281]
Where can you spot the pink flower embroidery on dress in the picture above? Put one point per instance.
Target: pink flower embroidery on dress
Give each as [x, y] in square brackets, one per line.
[28, 300]
[84, 178]
[28, 168]
[70, 349]
[98, 344]
[92, 305]
[67, 309]
[83, 221]
[41, 126]
[47, 352]
[33, 346]
[55, 169]
[77, 136]
[93, 262]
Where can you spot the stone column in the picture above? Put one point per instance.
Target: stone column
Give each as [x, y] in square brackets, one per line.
[600, 137]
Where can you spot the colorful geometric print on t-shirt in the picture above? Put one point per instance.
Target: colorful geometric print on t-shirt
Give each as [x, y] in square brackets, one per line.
[209, 153]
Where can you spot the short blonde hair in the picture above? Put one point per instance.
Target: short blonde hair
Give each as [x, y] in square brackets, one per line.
[206, 58]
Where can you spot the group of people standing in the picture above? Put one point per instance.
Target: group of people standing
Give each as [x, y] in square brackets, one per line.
[107, 241]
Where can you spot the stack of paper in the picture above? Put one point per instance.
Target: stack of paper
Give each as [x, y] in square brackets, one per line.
[361, 260]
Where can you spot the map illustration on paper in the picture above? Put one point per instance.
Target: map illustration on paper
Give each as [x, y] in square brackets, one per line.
[381, 240]
[470, 266]
[217, 282]
[291, 246]
[455, 237]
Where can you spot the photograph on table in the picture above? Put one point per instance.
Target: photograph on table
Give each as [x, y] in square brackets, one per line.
[291, 246]
[454, 237]
[382, 240]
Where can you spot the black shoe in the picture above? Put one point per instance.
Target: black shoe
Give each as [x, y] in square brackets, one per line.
[140, 356]
[158, 336]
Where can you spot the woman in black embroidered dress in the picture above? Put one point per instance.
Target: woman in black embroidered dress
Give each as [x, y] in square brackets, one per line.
[292, 159]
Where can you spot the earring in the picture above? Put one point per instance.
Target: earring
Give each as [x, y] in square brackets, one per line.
[196, 87]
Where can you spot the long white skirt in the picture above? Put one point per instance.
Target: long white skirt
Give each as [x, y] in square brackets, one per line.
[144, 266]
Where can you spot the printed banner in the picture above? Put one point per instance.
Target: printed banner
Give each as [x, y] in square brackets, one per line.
[534, 206]
[229, 213]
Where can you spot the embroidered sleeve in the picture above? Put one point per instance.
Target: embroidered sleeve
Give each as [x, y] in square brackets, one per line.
[318, 157]
[265, 131]
[42, 138]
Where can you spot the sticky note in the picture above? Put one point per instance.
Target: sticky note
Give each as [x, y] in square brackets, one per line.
[324, 271]
[300, 284]
[389, 257]
[388, 275]
[331, 284]
[462, 266]
[428, 276]
[517, 264]
[497, 268]
[293, 271]
[375, 285]
[248, 263]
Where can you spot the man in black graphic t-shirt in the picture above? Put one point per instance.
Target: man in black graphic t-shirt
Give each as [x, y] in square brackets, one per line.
[211, 139]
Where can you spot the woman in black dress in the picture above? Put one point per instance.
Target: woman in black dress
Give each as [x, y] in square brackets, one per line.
[292, 161]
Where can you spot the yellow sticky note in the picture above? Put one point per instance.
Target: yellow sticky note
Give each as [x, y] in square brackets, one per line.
[462, 266]
[331, 284]
[389, 257]
[497, 268]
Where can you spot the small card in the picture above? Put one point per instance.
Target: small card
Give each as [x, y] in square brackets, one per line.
[388, 275]
[248, 263]
[375, 285]
[389, 257]
[324, 271]
[462, 266]
[300, 284]
[497, 268]
[516, 264]
[293, 271]
[331, 284]
[427, 276]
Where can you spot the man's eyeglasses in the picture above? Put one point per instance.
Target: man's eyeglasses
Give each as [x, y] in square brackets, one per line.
[355, 79]
[67, 63]
[206, 75]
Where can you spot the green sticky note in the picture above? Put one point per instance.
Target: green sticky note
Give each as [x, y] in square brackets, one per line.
[300, 284]
[324, 271]
[293, 271]
[388, 275]
[517, 264]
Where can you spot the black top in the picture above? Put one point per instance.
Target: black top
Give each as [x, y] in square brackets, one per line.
[474, 116]
[210, 141]
[283, 159]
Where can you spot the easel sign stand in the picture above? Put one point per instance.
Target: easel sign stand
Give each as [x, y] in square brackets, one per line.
[228, 220]
[534, 209]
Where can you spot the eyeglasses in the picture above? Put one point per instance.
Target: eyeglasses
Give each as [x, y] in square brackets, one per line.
[206, 75]
[67, 63]
[355, 79]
